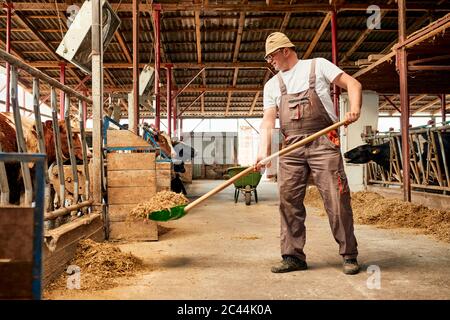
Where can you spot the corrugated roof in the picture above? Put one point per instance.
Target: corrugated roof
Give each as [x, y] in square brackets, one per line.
[219, 34]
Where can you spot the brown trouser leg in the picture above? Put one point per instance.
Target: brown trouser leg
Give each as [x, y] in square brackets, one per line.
[292, 180]
[325, 163]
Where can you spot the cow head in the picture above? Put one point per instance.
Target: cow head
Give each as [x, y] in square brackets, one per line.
[50, 142]
[362, 154]
[183, 151]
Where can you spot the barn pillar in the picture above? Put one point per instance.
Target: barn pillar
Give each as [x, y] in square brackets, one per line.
[62, 79]
[443, 108]
[169, 99]
[402, 68]
[334, 57]
[156, 16]
[8, 7]
[97, 104]
[133, 115]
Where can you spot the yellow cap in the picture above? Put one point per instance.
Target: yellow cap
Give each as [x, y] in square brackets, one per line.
[276, 41]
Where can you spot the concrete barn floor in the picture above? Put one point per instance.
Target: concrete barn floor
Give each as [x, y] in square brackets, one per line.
[223, 250]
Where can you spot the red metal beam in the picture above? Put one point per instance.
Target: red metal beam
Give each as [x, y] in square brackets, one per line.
[443, 109]
[8, 6]
[174, 114]
[136, 65]
[402, 67]
[169, 99]
[391, 103]
[156, 16]
[334, 55]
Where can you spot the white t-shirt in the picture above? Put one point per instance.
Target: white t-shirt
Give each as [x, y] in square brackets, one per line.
[297, 80]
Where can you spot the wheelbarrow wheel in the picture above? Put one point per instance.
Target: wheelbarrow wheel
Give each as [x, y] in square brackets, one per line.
[248, 195]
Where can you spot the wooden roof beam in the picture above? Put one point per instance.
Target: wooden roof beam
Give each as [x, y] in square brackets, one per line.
[253, 89]
[255, 99]
[235, 56]
[12, 51]
[319, 33]
[361, 38]
[419, 22]
[198, 36]
[177, 65]
[37, 36]
[427, 106]
[109, 77]
[43, 42]
[417, 99]
[286, 18]
[283, 26]
[237, 45]
[124, 46]
[186, 6]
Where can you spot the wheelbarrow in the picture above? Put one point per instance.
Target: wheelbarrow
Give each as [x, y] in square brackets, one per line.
[246, 184]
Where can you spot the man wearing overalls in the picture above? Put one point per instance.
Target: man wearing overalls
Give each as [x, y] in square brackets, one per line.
[300, 93]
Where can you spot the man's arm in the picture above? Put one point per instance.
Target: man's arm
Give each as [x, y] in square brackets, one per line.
[354, 90]
[267, 124]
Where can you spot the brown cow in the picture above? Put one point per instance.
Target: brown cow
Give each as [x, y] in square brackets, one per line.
[50, 142]
[8, 143]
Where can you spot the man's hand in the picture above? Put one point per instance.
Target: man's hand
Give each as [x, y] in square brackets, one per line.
[351, 117]
[259, 165]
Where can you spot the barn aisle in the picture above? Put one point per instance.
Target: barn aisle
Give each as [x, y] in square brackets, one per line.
[222, 250]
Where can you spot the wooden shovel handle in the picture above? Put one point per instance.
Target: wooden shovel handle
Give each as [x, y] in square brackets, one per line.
[265, 160]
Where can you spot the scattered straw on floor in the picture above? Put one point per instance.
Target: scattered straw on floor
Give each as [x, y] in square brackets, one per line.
[162, 200]
[372, 208]
[245, 238]
[99, 264]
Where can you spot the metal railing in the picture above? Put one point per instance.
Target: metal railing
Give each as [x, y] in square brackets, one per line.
[63, 207]
[428, 160]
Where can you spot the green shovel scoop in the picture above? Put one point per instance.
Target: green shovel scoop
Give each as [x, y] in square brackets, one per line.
[180, 211]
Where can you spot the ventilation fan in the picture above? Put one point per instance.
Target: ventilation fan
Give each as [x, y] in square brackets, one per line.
[146, 83]
[76, 45]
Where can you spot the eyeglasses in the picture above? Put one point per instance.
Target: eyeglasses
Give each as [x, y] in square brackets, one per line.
[270, 56]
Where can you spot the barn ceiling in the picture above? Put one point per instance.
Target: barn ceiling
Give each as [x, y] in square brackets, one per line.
[217, 46]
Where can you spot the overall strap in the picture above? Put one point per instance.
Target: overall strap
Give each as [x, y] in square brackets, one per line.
[312, 75]
[281, 83]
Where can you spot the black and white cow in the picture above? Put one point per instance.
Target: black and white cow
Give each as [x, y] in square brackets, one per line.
[380, 154]
[366, 153]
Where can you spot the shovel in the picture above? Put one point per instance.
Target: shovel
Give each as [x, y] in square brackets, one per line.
[179, 211]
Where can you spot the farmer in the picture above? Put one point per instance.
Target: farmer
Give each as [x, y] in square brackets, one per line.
[300, 93]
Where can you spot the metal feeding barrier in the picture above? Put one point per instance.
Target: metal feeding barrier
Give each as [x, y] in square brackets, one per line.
[62, 207]
[428, 159]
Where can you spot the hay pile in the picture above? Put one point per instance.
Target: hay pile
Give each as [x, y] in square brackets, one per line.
[313, 198]
[372, 208]
[162, 200]
[100, 264]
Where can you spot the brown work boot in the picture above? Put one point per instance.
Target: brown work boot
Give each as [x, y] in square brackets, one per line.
[289, 264]
[351, 266]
